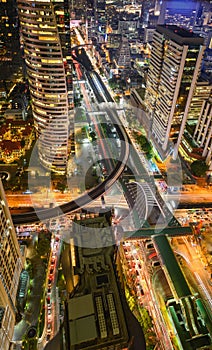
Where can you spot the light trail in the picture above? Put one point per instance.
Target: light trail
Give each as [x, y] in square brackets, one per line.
[204, 289]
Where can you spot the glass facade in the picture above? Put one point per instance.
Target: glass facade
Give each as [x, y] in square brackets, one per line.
[45, 33]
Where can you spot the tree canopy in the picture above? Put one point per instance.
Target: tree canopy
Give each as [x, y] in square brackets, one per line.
[199, 168]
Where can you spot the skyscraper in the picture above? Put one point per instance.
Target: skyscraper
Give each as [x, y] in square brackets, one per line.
[100, 19]
[45, 32]
[201, 93]
[10, 55]
[9, 43]
[11, 262]
[203, 132]
[173, 72]
[147, 5]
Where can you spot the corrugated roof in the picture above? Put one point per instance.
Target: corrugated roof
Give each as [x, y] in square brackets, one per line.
[80, 307]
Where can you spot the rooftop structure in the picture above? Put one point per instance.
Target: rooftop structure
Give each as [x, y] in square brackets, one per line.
[97, 300]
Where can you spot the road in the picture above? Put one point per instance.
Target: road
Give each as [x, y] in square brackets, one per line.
[44, 199]
[193, 265]
[192, 197]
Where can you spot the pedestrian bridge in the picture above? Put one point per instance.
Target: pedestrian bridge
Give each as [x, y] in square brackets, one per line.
[148, 207]
[150, 232]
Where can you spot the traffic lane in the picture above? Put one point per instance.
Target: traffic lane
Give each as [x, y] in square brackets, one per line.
[194, 197]
[55, 342]
[134, 328]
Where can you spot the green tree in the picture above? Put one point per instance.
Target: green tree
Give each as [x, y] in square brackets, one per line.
[43, 247]
[61, 187]
[199, 168]
[144, 144]
[117, 99]
[112, 83]
[23, 143]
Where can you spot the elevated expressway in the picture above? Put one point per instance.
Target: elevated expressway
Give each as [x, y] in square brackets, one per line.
[86, 198]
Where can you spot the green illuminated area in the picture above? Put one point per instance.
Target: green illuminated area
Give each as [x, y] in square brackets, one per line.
[143, 318]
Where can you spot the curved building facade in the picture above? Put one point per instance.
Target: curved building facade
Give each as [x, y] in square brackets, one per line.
[45, 34]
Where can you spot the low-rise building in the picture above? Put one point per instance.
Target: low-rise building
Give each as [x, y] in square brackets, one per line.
[16, 137]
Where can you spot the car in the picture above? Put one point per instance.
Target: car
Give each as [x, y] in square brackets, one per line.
[27, 192]
[56, 245]
[140, 289]
[49, 328]
[149, 246]
[155, 263]
[152, 255]
[49, 312]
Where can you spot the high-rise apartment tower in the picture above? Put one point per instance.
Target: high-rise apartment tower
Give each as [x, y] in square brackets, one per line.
[11, 262]
[45, 32]
[203, 132]
[100, 19]
[174, 68]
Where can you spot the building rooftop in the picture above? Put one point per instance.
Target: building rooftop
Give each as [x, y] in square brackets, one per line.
[180, 35]
[83, 330]
[80, 307]
[95, 313]
[81, 314]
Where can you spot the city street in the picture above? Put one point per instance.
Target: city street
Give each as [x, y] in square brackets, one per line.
[40, 199]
